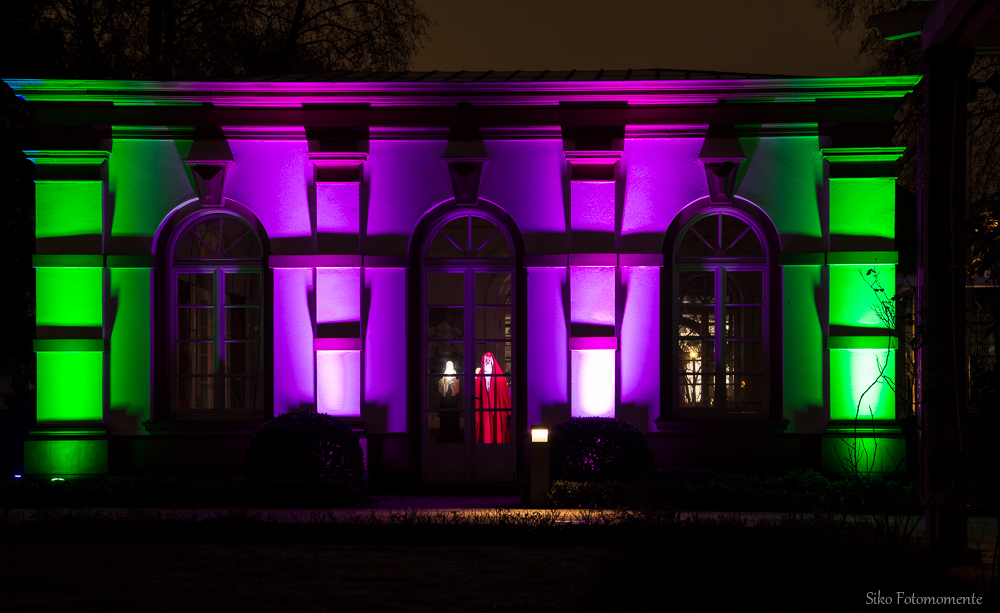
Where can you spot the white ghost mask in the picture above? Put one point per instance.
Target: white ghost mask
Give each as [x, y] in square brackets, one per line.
[488, 370]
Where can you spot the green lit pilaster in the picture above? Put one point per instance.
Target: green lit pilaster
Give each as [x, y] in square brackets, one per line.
[70, 438]
[862, 434]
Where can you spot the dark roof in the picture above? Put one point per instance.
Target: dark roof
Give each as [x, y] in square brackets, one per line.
[496, 76]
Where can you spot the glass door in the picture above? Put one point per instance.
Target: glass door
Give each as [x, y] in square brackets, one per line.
[467, 414]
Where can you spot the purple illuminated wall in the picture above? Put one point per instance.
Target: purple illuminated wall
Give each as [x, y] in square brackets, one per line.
[405, 179]
[385, 350]
[338, 383]
[593, 295]
[593, 207]
[271, 178]
[293, 340]
[338, 296]
[661, 177]
[548, 400]
[525, 178]
[640, 346]
[337, 211]
[338, 309]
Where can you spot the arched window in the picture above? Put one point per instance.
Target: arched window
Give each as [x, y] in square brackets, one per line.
[468, 352]
[216, 293]
[722, 312]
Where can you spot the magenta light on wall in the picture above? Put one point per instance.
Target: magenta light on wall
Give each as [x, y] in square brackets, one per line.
[592, 300]
[271, 179]
[338, 295]
[593, 373]
[640, 345]
[338, 382]
[593, 207]
[337, 208]
[385, 351]
[547, 331]
[293, 340]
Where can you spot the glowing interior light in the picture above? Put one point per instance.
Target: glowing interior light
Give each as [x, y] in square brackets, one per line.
[539, 434]
[17, 476]
[58, 479]
[694, 354]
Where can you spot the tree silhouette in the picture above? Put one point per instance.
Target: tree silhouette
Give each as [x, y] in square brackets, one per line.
[207, 39]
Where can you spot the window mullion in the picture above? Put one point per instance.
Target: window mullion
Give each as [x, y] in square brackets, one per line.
[470, 350]
[721, 391]
[220, 336]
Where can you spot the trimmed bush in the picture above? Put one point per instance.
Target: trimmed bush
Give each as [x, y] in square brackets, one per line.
[598, 449]
[305, 446]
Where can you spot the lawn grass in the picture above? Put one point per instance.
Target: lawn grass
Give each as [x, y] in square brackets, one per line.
[416, 562]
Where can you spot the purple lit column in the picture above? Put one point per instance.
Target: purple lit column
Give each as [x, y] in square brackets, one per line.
[592, 282]
[338, 335]
[338, 342]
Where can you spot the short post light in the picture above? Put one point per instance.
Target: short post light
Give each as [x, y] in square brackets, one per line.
[540, 466]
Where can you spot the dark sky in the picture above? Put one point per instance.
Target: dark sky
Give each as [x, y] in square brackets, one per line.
[764, 36]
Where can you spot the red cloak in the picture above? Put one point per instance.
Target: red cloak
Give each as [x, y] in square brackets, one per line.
[492, 426]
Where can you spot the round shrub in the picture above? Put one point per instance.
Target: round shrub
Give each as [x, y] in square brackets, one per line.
[305, 446]
[598, 449]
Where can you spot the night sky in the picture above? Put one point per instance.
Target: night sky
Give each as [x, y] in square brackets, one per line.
[787, 37]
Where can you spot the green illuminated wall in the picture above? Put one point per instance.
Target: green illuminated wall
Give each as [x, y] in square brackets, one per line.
[68, 208]
[68, 457]
[853, 302]
[70, 385]
[802, 349]
[860, 341]
[68, 296]
[852, 371]
[792, 202]
[130, 343]
[863, 208]
[147, 179]
[866, 454]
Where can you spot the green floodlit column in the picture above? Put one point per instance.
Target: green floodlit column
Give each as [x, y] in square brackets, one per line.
[68, 296]
[69, 438]
[70, 385]
[862, 213]
[862, 434]
[68, 208]
[854, 304]
[129, 375]
[857, 387]
[856, 310]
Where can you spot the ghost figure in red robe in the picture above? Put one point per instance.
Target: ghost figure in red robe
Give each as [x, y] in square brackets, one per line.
[492, 392]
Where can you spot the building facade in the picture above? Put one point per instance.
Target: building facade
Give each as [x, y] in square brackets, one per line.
[445, 260]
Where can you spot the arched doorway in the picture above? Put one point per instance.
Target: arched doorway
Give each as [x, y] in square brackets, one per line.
[468, 351]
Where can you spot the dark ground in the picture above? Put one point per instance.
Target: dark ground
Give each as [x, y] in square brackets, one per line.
[243, 563]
